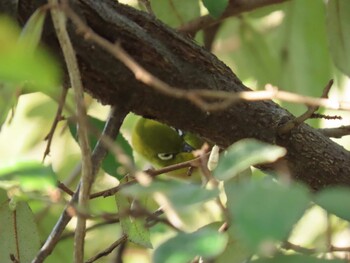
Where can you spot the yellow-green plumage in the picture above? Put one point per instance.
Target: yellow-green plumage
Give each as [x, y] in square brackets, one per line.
[162, 145]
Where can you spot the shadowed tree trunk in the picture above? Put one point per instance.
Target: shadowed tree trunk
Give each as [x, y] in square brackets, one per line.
[177, 60]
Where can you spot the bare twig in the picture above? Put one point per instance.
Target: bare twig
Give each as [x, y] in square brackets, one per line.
[152, 172]
[336, 132]
[59, 21]
[290, 246]
[308, 251]
[64, 188]
[205, 21]
[57, 119]
[98, 225]
[308, 114]
[108, 250]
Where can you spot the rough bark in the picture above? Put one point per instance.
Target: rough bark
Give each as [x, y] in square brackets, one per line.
[312, 158]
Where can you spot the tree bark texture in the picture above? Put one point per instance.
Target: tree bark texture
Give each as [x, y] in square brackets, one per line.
[177, 60]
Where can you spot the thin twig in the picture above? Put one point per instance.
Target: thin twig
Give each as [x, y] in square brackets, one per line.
[205, 21]
[59, 21]
[306, 115]
[308, 251]
[90, 228]
[57, 119]
[336, 132]
[64, 188]
[108, 250]
[303, 250]
[151, 172]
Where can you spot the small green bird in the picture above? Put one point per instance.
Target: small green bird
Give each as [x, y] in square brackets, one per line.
[162, 145]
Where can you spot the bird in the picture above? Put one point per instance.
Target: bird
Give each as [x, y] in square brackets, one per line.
[163, 145]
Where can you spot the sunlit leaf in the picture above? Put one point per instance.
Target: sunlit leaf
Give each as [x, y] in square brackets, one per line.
[18, 233]
[109, 164]
[338, 28]
[215, 7]
[31, 33]
[184, 247]
[134, 228]
[33, 71]
[333, 200]
[265, 211]
[29, 175]
[175, 12]
[244, 154]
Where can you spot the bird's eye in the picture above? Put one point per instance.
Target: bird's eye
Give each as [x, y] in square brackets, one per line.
[165, 156]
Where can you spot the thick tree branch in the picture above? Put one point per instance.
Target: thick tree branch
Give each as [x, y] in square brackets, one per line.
[179, 62]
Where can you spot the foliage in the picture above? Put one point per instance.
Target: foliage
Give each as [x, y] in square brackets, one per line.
[243, 216]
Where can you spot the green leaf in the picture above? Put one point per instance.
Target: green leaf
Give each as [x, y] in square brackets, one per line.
[8, 100]
[264, 211]
[244, 154]
[31, 33]
[175, 13]
[305, 58]
[34, 71]
[181, 194]
[215, 7]
[338, 28]
[18, 233]
[184, 247]
[297, 259]
[109, 164]
[134, 228]
[257, 55]
[333, 200]
[235, 252]
[30, 175]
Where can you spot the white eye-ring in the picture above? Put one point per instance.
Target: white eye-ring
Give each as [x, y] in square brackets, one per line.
[165, 156]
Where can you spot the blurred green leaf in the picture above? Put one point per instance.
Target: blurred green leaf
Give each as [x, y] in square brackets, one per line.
[333, 201]
[34, 71]
[297, 259]
[258, 57]
[264, 211]
[205, 242]
[175, 12]
[338, 28]
[243, 154]
[31, 33]
[29, 175]
[181, 194]
[134, 228]
[3, 196]
[18, 233]
[305, 59]
[235, 252]
[109, 164]
[215, 7]
[8, 99]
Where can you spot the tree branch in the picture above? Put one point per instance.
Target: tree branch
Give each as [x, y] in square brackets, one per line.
[176, 60]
